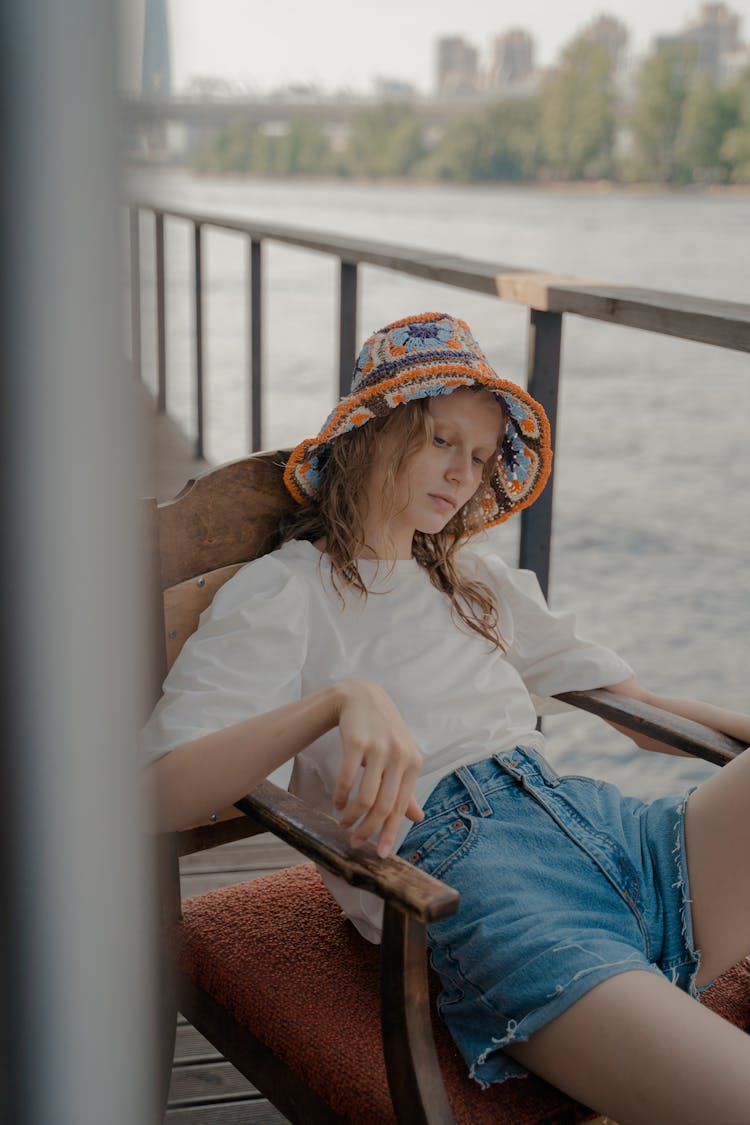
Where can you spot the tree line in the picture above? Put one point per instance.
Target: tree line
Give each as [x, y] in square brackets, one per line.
[678, 126]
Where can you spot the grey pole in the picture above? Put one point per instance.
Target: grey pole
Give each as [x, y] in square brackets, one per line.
[75, 926]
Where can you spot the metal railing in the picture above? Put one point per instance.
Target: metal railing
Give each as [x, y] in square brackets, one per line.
[547, 296]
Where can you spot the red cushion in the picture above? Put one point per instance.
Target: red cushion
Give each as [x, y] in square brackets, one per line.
[278, 955]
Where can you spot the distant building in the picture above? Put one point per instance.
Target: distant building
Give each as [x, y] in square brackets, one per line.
[156, 80]
[512, 62]
[715, 33]
[457, 67]
[393, 90]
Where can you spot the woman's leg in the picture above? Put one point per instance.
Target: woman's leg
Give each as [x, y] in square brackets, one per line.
[717, 834]
[645, 1053]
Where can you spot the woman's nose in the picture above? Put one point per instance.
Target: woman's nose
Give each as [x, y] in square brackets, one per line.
[459, 467]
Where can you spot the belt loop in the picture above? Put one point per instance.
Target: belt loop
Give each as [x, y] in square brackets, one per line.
[470, 783]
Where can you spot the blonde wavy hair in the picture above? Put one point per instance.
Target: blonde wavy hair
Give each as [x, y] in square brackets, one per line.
[336, 515]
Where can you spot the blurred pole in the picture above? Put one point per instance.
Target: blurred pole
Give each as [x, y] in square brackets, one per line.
[74, 1019]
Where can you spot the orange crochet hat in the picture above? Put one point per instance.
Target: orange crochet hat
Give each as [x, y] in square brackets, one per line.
[420, 357]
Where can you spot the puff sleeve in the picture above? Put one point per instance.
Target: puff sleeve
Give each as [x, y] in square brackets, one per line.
[545, 648]
[246, 657]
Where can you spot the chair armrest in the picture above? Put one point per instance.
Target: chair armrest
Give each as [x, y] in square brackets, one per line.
[322, 838]
[641, 718]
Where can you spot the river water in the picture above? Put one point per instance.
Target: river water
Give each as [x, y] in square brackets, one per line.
[651, 539]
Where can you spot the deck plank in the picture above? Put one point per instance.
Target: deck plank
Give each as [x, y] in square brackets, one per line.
[190, 1046]
[213, 1081]
[230, 1113]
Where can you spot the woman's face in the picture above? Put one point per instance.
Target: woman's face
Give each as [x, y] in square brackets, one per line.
[439, 478]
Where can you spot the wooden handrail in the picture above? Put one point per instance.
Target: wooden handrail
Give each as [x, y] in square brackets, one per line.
[725, 324]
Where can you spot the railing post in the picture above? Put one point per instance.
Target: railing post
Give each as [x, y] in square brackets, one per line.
[256, 343]
[161, 327]
[199, 403]
[545, 334]
[135, 291]
[347, 325]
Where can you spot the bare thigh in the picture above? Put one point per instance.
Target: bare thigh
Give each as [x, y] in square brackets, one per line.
[717, 834]
[641, 1051]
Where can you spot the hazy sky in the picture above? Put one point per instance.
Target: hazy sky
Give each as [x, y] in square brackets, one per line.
[347, 43]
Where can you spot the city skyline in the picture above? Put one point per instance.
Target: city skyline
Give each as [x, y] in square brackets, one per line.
[334, 49]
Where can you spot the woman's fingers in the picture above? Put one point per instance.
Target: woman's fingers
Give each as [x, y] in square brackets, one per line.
[392, 823]
[383, 815]
[378, 748]
[414, 810]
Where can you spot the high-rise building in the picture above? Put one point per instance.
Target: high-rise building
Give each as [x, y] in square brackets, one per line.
[715, 33]
[512, 59]
[457, 66]
[156, 73]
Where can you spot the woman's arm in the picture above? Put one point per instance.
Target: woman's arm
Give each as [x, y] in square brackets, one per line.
[733, 723]
[213, 771]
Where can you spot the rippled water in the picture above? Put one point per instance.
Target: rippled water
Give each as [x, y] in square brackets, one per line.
[652, 490]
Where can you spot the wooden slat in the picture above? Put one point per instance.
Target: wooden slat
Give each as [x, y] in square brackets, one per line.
[207, 1082]
[190, 1046]
[259, 853]
[228, 515]
[230, 1113]
[208, 836]
[202, 882]
[725, 324]
[185, 602]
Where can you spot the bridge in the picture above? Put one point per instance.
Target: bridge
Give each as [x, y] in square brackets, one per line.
[200, 116]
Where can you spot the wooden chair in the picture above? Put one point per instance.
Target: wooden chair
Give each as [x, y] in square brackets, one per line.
[328, 1027]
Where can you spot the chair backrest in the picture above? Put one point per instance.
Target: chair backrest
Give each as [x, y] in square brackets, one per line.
[218, 522]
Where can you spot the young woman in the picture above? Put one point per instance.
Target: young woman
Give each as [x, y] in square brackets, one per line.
[401, 666]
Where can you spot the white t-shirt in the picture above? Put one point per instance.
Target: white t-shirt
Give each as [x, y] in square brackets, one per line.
[277, 631]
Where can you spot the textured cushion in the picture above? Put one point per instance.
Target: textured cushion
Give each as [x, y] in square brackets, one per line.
[278, 955]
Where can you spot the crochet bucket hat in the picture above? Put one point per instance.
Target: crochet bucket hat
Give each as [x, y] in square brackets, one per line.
[420, 357]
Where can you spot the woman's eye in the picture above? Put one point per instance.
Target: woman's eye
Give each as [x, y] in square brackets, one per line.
[478, 460]
[439, 441]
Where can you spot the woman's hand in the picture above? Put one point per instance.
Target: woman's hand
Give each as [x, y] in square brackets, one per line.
[375, 739]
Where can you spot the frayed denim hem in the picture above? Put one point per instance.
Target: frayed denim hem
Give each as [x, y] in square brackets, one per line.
[682, 884]
[494, 1065]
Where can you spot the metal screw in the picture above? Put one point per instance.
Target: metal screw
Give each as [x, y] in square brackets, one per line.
[172, 634]
[201, 582]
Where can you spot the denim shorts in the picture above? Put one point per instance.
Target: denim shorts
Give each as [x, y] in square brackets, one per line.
[564, 882]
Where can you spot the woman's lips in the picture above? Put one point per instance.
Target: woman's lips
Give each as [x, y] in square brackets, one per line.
[445, 503]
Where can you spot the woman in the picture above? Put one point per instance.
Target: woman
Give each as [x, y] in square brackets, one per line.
[580, 909]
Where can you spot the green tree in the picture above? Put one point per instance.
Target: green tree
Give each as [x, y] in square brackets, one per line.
[662, 87]
[385, 140]
[735, 146]
[302, 148]
[707, 114]
[577, 105]
[499, 143]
